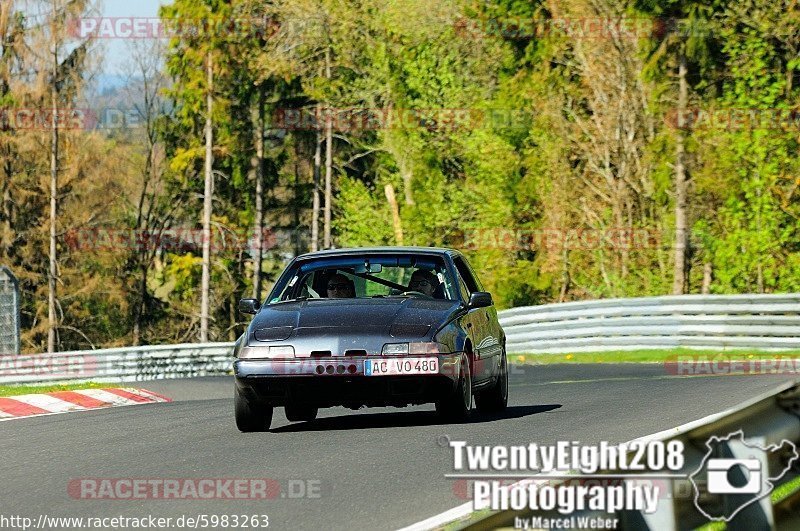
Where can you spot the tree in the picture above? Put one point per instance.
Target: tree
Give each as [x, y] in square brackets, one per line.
[151, 208]
[684, 43]
[196, 51]
[60, 77]
[208, 196]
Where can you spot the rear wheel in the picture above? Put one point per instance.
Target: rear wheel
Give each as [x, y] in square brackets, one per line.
[295, 413]
[495, 400]
[251, 415]
[456, 405]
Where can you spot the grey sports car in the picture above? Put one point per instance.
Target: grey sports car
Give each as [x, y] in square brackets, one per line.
[384, 326]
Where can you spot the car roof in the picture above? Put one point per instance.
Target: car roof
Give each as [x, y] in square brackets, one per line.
[357, 251]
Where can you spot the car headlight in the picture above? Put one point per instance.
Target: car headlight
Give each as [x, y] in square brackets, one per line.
[273, 352]
[394, 349]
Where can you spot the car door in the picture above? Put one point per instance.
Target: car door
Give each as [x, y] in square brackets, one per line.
[477, 320]
[494, 335]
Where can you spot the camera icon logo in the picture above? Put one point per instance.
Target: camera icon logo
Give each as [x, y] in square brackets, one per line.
[734, 474]
[725, 475]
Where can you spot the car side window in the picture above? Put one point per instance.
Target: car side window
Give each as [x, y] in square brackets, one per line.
[464, 289]
[465, 274]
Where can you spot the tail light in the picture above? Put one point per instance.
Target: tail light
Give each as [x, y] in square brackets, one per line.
[396, 349]
[272, 353]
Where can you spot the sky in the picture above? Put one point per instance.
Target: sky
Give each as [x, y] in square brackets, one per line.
[117, 49]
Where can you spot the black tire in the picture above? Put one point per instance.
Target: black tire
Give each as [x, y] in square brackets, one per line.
[495, 400]
[295, 413]
[456, 405]
[251, 416]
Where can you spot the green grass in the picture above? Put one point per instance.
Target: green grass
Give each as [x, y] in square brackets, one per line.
[16, 390]
[713, 526]
[784, 491]
[644, 356]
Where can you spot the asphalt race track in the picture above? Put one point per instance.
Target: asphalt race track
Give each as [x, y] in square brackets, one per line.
[372, 469]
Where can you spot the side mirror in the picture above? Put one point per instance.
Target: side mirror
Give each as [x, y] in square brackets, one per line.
[250, 306]
[480, 299]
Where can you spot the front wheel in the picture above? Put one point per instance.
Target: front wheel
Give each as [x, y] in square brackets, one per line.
[456, 405]
[495, 400]
[250, 415]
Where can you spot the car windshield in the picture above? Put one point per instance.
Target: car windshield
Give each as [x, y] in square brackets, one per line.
[366, 277]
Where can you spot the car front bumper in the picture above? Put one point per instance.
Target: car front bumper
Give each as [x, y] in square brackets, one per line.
[341, 381]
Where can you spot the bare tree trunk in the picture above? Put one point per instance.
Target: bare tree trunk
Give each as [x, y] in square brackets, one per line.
[407, 177]
[315, 198]
[565, 276]
[398, 227]
[759, 266]
[207, 204]
[138, 312]
[681, 223]
[259, 222]
[53, 270]
[707, 275]
[328, 159]
[296, 204]
[143, 256]
[232, 304]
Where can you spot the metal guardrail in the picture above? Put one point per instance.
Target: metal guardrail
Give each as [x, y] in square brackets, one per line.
[718, 321]
[119, 364]
[764, 421]
[764, 322]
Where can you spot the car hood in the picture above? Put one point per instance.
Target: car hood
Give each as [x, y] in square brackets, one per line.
[390, 317]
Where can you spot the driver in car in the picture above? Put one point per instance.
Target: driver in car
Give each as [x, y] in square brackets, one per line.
[340, 287]
[424, 282]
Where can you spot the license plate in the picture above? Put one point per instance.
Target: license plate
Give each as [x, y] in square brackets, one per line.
[401, 366]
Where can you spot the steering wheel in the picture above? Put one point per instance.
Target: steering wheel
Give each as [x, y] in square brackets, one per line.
[417, 294]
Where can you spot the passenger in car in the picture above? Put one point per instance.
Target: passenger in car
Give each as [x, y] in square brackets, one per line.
[341, 287]
[425, 282]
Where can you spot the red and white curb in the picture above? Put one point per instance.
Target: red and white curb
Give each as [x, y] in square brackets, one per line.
[23, 406]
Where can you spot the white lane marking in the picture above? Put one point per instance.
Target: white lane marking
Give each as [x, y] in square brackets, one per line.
[49, 403]
[144, 393]
[104, 396]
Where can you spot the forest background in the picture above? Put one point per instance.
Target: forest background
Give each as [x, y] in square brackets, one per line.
[577, 149]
